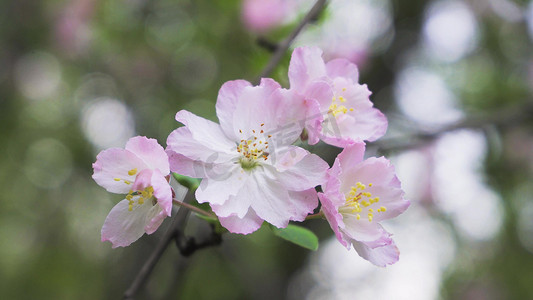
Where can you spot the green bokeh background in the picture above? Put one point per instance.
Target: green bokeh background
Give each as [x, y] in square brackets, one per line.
[160, 56]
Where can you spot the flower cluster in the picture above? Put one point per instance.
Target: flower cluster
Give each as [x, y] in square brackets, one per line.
[251, 170]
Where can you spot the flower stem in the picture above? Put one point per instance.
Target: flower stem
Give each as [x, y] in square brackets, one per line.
[194, 208]
[318, 215]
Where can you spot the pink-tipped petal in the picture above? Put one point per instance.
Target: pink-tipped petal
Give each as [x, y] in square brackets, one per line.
[314, 120]
[269, 200]
[334, 218]
[380, 256]
[378, 171]
[123, 227]
[320, 91]
[341, 67]
[237, 205]
[259, 110]
[218, 189]
[206, 132]
[299, 170]
[306, 65]
[113, 167]
[246, 225]
[351, 156]
[143, 180]
[302, 204]
[155, 217]
[182, 141]
[162, 192]
[228, 96]
[362, 230]
[152, 154]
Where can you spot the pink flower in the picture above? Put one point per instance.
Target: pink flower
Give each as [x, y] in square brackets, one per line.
[139, 171]
[250, 170]
[356, 197]
[262, 15]
[340, 114]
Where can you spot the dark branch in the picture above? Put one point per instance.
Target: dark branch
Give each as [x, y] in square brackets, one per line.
[178, 223]
[188, 245]
[284, 45]
[267, 44]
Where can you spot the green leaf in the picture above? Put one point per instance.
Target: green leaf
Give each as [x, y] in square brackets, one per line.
[188, 182]
[298, 235]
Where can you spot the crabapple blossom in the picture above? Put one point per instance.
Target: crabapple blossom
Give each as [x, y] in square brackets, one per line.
[251, 172]
[357, 195]
[139, 171]
[340, 114]
[262, 15]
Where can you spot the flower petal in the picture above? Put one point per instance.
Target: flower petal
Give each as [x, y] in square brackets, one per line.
[380, 256]
[298, 169]
[112, 169]
[123, 227]
[342, 67]
[228, 96]
[362, 230]
[270, 200]
[206, 132]
[389, 197]
[248, 224]
[378, 171]
[257, 105]
[334, 217]
[302, 203]
[182, 141]
[217, 190]
[149, 150]
[306, 65]
[162, 191]
[155, 218]
[351, 156]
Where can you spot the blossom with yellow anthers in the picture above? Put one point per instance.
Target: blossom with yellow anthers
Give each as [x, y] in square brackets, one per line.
[337, 108]
[254, 149]
[145, 195]
[357, 200]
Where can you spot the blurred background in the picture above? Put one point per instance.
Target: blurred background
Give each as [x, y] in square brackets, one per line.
[454, 77]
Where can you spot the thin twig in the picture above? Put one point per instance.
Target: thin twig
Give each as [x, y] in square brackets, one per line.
[318, 215]
[284, 45]
[194, 208]
[266, 44]
[506, 117]
[177, 225]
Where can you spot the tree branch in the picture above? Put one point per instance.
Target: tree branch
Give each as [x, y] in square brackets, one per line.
[178, 222]
[194, 208]
[284, 45]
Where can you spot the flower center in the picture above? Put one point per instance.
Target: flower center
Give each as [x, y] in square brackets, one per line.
[254, 149]
[336, 107]
[141, 196]
[357, 201]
